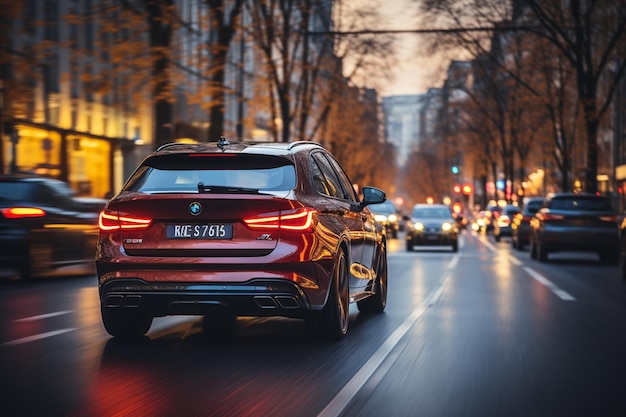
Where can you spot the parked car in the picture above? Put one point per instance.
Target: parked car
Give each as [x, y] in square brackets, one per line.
[502, 225]
[240, 229]
[520, 226]
[431, 225]
[575, 222]
[44, 228]
[387, 215]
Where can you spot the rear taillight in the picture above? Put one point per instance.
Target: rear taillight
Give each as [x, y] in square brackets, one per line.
[22, 212]
[612, 219]
[546, 217]
[111, 220]
[293, 220]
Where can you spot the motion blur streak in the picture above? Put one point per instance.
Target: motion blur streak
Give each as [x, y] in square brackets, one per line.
[343, 398]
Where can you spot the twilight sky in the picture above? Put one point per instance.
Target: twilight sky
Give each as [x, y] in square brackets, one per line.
[415, 72]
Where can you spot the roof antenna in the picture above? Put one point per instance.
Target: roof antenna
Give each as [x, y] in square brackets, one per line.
[223, 142]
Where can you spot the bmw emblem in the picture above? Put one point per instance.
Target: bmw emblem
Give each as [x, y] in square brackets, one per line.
[195, 208]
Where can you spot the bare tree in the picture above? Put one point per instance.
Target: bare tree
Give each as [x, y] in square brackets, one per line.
[592, 37]
[224, 19]
[306, 66]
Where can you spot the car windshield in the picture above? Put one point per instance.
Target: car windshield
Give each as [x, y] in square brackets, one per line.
[581, 204]
[431, 212]
[183, 173]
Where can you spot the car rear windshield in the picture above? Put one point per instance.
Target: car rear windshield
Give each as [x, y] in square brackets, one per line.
[183, 173]
[581, 204]
[534, 206]
[14, 191]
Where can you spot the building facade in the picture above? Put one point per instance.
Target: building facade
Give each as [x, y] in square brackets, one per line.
[77, 97]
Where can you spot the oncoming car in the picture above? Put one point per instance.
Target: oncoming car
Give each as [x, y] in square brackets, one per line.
[240, 229]
[431, 225]
[387, 215]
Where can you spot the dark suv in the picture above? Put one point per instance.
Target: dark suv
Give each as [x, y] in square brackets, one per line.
[242, 229]
[575, 222]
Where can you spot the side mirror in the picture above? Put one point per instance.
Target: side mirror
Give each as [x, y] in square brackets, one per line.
[372, 195]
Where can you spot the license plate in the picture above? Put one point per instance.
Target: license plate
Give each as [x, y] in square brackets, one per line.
[199, 231]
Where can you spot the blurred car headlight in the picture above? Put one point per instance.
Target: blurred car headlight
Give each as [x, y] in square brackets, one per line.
[446, 227]
[393, 218]
[380, 218]
[419, 226]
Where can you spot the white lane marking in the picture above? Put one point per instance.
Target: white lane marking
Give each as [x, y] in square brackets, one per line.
[36, 337]
[563, 295]
[349, 391]
[42, 316]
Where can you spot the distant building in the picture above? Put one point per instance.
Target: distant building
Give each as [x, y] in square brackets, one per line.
[402, 122]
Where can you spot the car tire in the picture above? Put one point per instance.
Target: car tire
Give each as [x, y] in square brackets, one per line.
[125, 323]
[497, 237]
[409, 245]
[394, 234]
[377, 302]
[622, 259]
[455, 246]
[533, 249]
[609, 257]
[542, 253]
[331, 323]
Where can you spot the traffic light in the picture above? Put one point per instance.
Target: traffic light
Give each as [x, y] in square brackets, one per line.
[454, 169]
[457, 188]
[467, 189]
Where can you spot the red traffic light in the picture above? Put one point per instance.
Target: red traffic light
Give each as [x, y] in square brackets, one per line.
[456, 188]
[467, 189]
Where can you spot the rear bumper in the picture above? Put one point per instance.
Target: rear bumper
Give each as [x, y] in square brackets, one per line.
[254, 298]
[587, 240]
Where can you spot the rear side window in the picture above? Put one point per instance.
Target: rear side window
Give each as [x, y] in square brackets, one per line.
[182, 173]
[582, 204]
[325, 180]
[15, 191]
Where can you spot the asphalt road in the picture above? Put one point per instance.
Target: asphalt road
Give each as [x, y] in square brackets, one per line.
[483, 332]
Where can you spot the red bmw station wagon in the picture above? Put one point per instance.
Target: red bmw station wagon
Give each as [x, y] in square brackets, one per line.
[240, 229]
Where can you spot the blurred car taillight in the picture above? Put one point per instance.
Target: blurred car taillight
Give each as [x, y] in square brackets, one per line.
[22, 212]
[608, 218]
[548, 217]
[294, 220]
[504, 220]
[110, 220]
